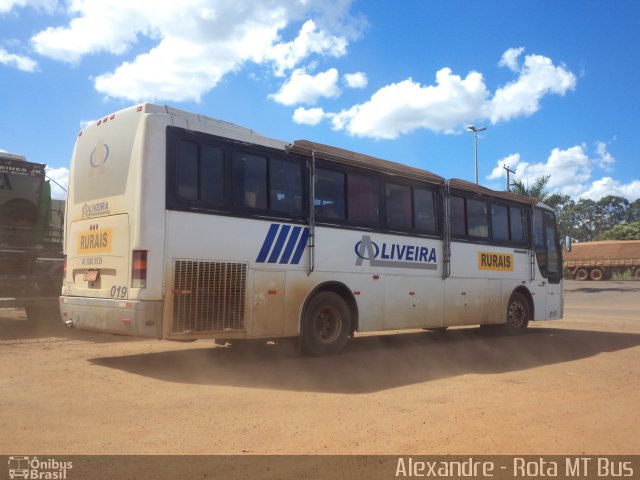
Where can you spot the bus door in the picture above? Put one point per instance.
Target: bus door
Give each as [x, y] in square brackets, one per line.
[548, 281]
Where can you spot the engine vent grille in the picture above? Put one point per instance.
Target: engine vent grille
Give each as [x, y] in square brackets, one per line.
[208, 296]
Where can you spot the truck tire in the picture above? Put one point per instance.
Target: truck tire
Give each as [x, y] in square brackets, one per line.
[636, 274]
[582, 274]
[596, 274]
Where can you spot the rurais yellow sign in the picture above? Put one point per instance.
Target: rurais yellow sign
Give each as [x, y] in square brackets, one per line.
[501, 262]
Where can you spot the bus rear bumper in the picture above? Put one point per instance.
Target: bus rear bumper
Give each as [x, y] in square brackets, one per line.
[139, 318]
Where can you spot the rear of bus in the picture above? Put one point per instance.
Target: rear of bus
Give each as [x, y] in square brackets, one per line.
[114, 226]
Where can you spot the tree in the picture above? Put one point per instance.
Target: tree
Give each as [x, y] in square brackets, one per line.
[611, 211]
[564, 208]
[629, 231]
[633, 213]
[536, 190]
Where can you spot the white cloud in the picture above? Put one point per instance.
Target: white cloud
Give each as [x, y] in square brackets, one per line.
[20, 62]
[510, 58]
[403, 107]
[196, 42]
[286, 56]
[356, 80]
[454, 101]
[61, 176]
[605, 159]
[304, 88]
[308, 116]
[572, 173]
[608, 186]
[537, 77]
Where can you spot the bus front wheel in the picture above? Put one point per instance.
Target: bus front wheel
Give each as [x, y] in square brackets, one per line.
[518, 314]
[326, 324]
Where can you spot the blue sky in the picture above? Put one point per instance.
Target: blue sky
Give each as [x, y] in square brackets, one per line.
[554, 82]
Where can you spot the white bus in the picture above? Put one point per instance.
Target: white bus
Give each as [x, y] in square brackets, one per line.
[180, 226]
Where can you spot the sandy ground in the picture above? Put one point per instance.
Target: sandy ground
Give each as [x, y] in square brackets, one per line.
[566, 387]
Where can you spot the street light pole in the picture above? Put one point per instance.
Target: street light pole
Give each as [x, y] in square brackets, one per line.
[475, 130]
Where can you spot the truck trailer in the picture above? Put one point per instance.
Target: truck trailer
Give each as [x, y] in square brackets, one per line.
[31, 259]
[600, 260]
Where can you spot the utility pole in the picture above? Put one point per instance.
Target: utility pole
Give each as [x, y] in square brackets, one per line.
[475, 130]
[506, 167]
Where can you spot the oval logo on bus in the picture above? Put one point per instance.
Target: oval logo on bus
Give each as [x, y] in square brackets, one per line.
[99, 155]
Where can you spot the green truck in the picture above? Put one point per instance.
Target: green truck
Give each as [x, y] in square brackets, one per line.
[31, 259]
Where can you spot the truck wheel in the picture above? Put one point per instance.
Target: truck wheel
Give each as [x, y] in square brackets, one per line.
[326, 324]
[518, 314]
[596, 274]
[582, 274]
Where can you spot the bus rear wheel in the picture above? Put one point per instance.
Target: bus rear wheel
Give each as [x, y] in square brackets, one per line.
[326, 324]
[518, 314]
[582, 274]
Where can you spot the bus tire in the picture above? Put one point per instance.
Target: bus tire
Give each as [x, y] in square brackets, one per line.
[326, 324]
[596, 274]
[582, 274]
[518, 314]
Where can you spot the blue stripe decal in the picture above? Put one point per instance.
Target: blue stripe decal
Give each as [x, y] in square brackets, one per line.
[295, 233]
[301, 246]
[266, 246]
[277, 248]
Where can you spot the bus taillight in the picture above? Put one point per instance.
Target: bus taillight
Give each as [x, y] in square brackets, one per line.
[139, 270]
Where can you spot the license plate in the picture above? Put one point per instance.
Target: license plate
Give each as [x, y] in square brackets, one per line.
[91, 275]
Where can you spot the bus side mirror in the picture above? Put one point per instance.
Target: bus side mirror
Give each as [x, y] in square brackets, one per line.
[567, 243]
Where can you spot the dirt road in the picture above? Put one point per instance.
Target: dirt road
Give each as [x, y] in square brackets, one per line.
[567, 387]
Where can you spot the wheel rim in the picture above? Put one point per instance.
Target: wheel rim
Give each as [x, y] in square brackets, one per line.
[517, 314]
[327, 324]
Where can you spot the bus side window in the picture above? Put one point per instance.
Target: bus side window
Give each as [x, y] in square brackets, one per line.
[398, 206]
[249, 178]
[211, 175]
[425, 210]
[499, 223]
[187, 171]
[363, 197]
[329, 194]
[477, 221]
[518, 223]
[286, 186]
